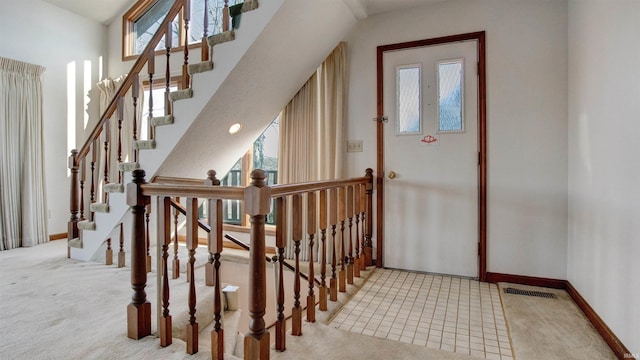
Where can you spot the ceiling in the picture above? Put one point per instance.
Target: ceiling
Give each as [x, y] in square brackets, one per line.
[104, 11]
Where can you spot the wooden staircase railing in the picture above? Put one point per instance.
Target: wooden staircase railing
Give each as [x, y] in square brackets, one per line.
[84, 174]
[328, 203]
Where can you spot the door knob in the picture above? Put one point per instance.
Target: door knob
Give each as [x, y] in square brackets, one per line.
[391, 175]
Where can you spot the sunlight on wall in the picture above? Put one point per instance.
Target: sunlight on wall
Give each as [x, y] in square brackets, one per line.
[71, 108]
[100, 68]
[86, 88]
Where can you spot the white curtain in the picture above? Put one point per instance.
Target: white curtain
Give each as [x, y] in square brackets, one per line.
[311, 142]
[23, 208]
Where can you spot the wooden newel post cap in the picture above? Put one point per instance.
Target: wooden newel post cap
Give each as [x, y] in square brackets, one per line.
[72, 158]
[134, 194]
[257, 195]
[211, 178]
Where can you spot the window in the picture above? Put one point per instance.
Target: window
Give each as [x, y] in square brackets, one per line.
[144, 18]
[450, 96]
[158, 90]
[408, 100]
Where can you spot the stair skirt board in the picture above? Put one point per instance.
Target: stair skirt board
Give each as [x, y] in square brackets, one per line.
[113, 188]
[162, 120]
[200, 67]
[99, 207]
[181, 94]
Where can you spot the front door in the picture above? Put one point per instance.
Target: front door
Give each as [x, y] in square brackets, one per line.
[431, 159]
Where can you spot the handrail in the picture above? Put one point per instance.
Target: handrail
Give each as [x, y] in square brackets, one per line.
[148, 52]
[202, 191]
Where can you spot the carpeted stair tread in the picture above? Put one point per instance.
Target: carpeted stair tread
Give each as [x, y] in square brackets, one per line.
[221, 38]
[181, 94]
[144, 144]
[200, 67]
[99, 207]
[128, 166]
[113, 188]
[75, 243]
[86, 225]
[249, 5]
[162, 120]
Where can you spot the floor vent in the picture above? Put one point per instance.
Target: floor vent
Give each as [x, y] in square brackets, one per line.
[529, 293]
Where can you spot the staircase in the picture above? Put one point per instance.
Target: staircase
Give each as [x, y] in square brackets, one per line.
[254, 71]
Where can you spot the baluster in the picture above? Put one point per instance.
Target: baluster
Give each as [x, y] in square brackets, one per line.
[164, 239]
[147, 214]
[356, 210]
[363, 210]
[333, 220]
[167, 41]
[94, 157]
[296, 313]
[176, 260]
[135, 92]
[205, 45]
[108, 257]
[342, 275]
[139, 310]
[323, 258]
[281, 244]
[215, 249]
[74, 192]
[151, 64]
[83, 179]
[311, 230]
[186, 78]
[120, 113]
[192, 244]
[256, 199]
[350, 216]
[225, 16]
[121, 255]
[367, 242]
[107, 158]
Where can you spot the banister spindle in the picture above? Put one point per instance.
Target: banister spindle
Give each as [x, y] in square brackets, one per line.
[135, 92]
[333, 220]
[323, 251]
[281, 244]
[120, 115]
[94, 157]
[225, 16]
[356, 211]
[363, 210]
[176, 260]
[83, 179]
[192, 244]
[215, 249]
[342, 275]
[186, 78]
[296, 312]
[256, 199]
[164, 239]
[108, 257]
[121, 254]
[107, 157]
[311, 230]
[168, 37]
[74, 199]
[151, 64]
[147, 213]
[139, 310]
[350, 216]
[205, 45]
[368, 245]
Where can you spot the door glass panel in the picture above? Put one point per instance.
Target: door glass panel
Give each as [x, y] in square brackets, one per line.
[408, 99]
[450, 97]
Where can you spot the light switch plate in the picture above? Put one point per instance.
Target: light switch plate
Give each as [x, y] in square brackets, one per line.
[354, 145]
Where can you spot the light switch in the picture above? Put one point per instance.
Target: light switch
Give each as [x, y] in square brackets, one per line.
[354, 145]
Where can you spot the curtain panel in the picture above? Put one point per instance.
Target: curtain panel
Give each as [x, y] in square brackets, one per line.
[23, 209]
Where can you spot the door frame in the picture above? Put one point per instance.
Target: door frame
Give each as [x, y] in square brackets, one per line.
[479, 37]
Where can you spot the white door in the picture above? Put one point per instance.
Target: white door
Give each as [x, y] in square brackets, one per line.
[431, 159]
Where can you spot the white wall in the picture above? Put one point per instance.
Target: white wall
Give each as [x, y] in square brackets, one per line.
[40, 33]
[526, 110]
[604, 196]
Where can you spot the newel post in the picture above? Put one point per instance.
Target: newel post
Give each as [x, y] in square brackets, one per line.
[139, 310]
[256, 199]
[74, 199]
[368, 245]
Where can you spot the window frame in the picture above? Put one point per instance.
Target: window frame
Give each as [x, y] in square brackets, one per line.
[462, 96]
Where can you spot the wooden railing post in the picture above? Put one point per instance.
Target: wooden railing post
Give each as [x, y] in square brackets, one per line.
[333, 220]
[167, 42]
[350, 217]
[311, 230]
[139, 310]
[342, 274]
[213, 277]
[121, 254]
[363, 210]
[147, 214]
[281, 244]
[176, 260]
[192, 244]
[165, 328]
[256, 198]
[356, 210]
[323, 251]
[225, 16]
[74, 200]
[205, 44]
[186, 78]
[108, 257]
[296, 312]
[368, 245]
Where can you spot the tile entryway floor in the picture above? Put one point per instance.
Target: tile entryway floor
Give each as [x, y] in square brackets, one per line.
[440, 312]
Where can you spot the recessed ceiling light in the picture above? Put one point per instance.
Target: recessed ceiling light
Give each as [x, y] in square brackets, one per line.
[235, 128]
